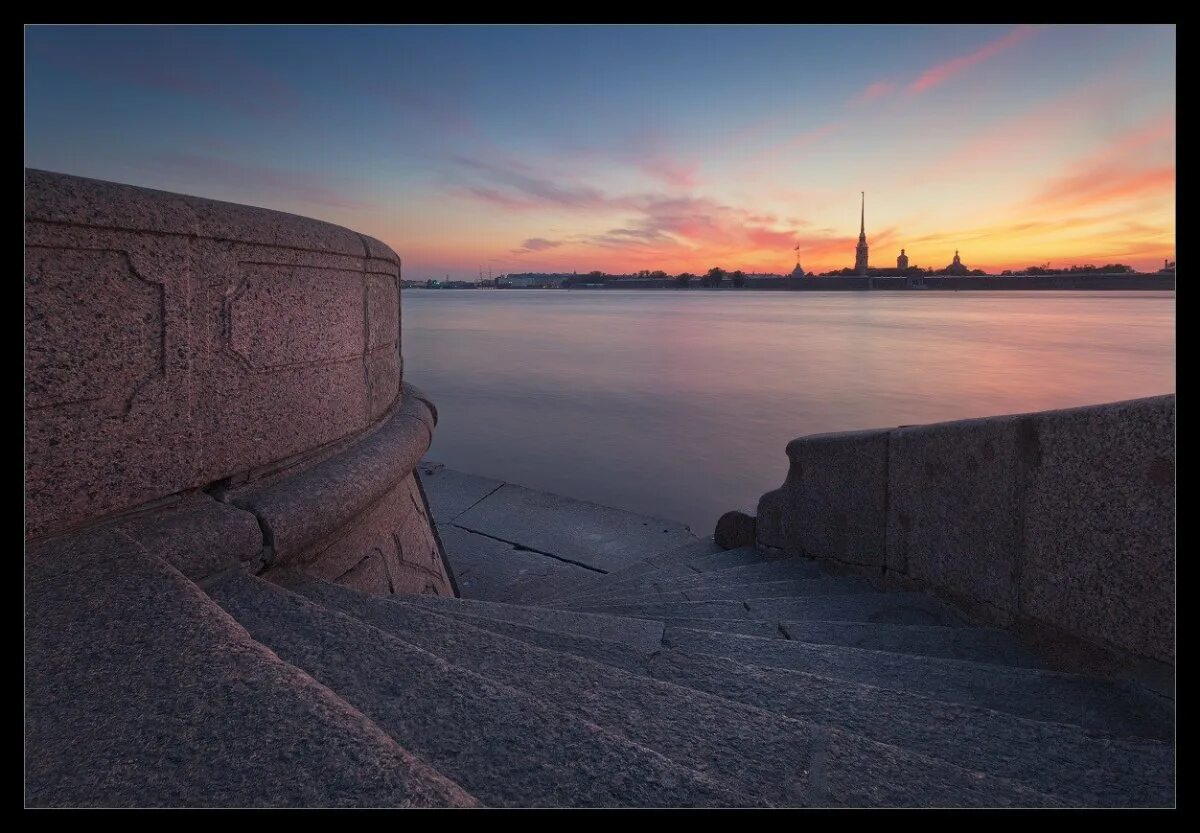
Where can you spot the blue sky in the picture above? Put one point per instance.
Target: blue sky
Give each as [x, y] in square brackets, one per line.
[630, 147]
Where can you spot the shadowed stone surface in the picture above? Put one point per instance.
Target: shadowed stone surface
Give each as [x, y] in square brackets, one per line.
[585, 533]
[677, 578]
[974, 644]
[1063, 760]
[1099, 533]
[1035, 694]
[492, 570]
[736, 592]
[637, 633]
[821, 511]
[536, 755]
[735, 529]
[140, 692]
[750, 750]
[1057, 523]
[452, 492]
[953, 520]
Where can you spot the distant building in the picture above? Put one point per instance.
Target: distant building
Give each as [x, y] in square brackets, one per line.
[1168, 268]
[860, 251]
[956, 267]
[902, 261]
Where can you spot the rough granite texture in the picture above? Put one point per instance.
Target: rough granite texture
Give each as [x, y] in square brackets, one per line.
[754, 752]
[536, 754]
[735, 529]
[140, 692]
[1099, 531]
[819, 511]
[173, 341]
[636, 633]
[492, 570]
[576, 531]
[1060, 759]
[954, 520]
[1026, 692]
[1060, 523]
[989, 645]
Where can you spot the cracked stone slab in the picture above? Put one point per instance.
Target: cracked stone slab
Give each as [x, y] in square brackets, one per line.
[492, 570]
[450, 492]
[508, 748]
[641, 634]
[141, 692]
[573, 530]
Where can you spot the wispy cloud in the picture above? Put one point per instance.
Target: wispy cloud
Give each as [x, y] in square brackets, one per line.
[872, 92]
[943, 72]
[284, 186]
[536, 244]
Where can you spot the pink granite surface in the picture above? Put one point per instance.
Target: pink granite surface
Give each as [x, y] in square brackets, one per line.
[173, 341]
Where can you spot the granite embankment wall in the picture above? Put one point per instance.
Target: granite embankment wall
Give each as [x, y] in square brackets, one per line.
[222, 382]
[1059, 523]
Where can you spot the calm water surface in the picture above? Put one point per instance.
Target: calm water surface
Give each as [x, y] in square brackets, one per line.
[679, 404]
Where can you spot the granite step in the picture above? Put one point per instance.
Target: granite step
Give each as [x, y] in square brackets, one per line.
[509, 749]
[989, 645]
[141, 692]
[890, 608]
[784, 761]
[679, 577]
[641, 634]
[735, 592]
[1095, 767]
[1025, 692]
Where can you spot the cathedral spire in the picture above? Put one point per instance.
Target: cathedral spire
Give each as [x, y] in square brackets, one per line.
[860, 251]
[862, 228]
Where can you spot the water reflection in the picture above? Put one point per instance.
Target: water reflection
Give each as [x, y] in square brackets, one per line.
[680, 403]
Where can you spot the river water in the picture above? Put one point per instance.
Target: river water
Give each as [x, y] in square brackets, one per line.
[679, 404]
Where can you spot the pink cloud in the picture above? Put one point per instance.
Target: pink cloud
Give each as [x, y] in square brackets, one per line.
[871, 92]
[943, 72]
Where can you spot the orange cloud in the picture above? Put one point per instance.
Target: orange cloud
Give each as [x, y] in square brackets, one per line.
[943, 72]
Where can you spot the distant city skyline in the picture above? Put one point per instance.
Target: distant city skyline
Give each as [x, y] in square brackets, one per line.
[624, 148]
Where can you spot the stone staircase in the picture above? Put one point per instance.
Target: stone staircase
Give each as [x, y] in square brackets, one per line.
[692, 677]
[683, 676]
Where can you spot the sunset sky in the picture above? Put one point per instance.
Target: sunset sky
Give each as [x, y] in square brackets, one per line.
[619, 148]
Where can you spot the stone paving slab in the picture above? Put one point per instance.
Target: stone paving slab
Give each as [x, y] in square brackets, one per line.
[573, 530]
[752, 751]
[974, 644]
[512, 749]
[450, 492]
[1026, 692]
[141, 692]
[642, 634]
[495, 571]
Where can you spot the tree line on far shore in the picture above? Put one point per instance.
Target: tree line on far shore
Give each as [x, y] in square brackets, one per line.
[717, 276]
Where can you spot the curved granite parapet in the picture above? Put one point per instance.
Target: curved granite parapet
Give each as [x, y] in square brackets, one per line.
[177, 345]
